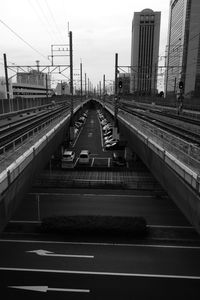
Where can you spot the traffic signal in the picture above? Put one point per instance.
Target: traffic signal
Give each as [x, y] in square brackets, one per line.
[181, 85]
[120, 84]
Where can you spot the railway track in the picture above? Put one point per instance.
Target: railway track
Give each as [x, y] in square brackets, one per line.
[16, 129]
[176, 129]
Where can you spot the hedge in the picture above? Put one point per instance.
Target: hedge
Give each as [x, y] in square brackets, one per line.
[136, 226]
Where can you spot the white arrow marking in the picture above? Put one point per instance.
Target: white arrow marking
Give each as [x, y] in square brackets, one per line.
[49, 253]
[45, 289]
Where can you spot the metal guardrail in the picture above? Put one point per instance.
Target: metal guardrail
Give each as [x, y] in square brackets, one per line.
[16, 165]
[16, 143]
[182, 156]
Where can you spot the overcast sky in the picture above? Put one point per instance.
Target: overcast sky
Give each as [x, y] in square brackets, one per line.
[100, 29]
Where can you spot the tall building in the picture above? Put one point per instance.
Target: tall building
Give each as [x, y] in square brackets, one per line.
[145, 51]
[183, 48]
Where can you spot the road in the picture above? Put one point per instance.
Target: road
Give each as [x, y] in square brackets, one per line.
[34, 268]
[102, 271]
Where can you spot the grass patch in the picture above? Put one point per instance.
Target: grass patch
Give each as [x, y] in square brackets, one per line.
[105, 225]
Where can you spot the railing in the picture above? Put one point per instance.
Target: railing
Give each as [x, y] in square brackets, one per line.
[16, 143]
[181, 156]
[186, 152]
[10, 151]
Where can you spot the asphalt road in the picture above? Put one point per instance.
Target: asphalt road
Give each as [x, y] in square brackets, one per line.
[97, 271]
[90, 137]
[39, 269]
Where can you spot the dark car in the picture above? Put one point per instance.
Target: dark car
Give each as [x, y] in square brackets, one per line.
[118, 160]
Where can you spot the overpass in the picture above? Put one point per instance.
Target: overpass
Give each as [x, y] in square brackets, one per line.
[176, 170]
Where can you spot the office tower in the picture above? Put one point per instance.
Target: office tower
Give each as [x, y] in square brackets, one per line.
[183, 48]
[144, 52]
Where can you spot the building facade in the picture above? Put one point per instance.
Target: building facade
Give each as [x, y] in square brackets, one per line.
[144, 52]
[183, 48]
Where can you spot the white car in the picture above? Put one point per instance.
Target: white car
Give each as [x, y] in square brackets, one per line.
[84, 157]
[111, 140]
[68, 155]
[108, 137]
[111, 145]
[68, 159]
[107, 126]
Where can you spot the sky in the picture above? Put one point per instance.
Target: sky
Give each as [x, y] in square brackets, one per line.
[100, 29]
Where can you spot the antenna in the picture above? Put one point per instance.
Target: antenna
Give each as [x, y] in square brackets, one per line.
[68, 27]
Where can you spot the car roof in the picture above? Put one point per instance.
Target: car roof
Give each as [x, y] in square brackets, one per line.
[84, 151]
[68, 152]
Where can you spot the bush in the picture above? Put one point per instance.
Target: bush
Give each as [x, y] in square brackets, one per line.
[135, 226]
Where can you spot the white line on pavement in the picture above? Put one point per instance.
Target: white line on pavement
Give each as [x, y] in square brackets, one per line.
[153, 226]
[102, 273]
[101, 244]
[96, 195]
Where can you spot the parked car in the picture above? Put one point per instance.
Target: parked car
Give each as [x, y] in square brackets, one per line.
[78, 124]
[68, 155]
[111, 145]
[108, 141]
[108, 132]
[118, 160]
[107, 126]
[82, 118]
[68, 159]
[84, 157]
[108, 137]
[103, 122]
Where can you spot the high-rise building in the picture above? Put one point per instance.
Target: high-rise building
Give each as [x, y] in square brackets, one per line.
[183, 48]
[145, 51]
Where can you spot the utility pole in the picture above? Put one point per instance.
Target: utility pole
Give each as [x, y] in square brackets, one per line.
[47, 87]
[116, 92]
[71, 77]
[81, 83]
[85, 86]
[100, 89]
[7, 83]
[104, 90]
[71, 88]
[88, 86]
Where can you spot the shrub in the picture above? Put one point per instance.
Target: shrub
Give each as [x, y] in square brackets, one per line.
[135, 226]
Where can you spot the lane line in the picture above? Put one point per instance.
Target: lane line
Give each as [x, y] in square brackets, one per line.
[102, 244]
[170, 276]
[45, 289]
[92, 162]
[153, 226]
[92, 195]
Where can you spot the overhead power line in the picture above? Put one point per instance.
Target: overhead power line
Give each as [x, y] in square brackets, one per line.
[16, 34]
[52, 16]
[45, 16]
[41, 19]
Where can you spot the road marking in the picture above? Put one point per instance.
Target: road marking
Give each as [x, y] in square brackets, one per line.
[102, 244]
[52, 254]
[171, 226]
[109, 159]
[171, 276]
[44, 289]
[77, 137]
[92, 162]
[98, 195]
[153, 226]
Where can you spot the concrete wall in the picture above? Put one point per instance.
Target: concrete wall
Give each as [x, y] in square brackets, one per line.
[185, 197]
[12, 194]
[11, 197]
